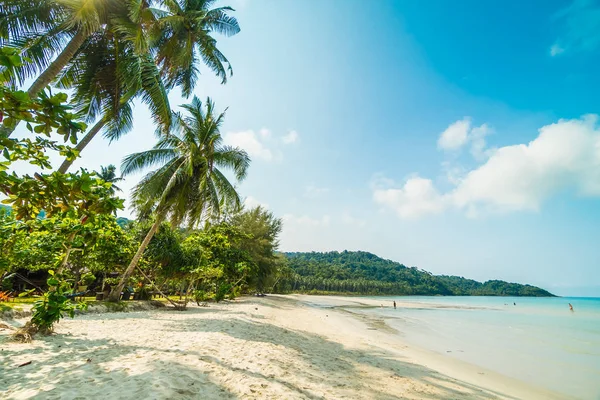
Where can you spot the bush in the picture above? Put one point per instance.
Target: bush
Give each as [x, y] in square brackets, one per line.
[50, 308]
[143, 293]
[87, 279]
[222, 291]
[6, 285]
[200, 296]
[235, 292]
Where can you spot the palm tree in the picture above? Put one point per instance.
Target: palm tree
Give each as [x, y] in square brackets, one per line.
[51, 32]
[182, 37]
[109, 174]
[106, 76]
[188, 186]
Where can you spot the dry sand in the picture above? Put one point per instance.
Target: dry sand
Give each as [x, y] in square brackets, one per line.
[278, 347]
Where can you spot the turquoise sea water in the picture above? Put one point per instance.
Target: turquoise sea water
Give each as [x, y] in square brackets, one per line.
[538, 340]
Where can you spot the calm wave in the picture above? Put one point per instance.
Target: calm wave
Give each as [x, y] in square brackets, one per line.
[538, 340]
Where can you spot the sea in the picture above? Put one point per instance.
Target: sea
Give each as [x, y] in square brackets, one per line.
[536, 340]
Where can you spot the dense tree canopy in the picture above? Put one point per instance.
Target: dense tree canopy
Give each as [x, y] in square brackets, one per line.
[364, 273]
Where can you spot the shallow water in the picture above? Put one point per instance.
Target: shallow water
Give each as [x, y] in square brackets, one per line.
[538, 340]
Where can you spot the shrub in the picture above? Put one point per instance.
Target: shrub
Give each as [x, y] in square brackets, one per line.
[143, 293]
[222, 291]
[87, 279]
[200, 296]
[50, 308]
[235, 292]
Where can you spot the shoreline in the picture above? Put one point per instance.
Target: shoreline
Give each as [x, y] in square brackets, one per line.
[272, 347]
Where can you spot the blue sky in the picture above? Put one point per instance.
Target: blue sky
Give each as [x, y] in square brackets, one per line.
[452, 136]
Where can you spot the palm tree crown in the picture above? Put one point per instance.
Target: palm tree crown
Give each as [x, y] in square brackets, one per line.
[182, 37]
[188, 186]
[109, 174]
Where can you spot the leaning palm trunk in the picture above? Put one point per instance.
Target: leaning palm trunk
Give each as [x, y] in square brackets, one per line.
[53, 70]
[57, 65]
[82, 144]
[115, 294]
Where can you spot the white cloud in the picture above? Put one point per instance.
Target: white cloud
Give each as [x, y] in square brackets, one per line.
[251, 202]
[251, 142]
[456, 135]
[453, 173]
[264, 133]
[478, 143]
[461, 133]
[564, 156]
[291, 221]
[556, 49]
[290, 137]
[260, 145]
[416, 198]
[312, 191]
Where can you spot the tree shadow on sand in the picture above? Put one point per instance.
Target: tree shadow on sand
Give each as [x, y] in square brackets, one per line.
[65, 367]
[329, 363]
[308, 366]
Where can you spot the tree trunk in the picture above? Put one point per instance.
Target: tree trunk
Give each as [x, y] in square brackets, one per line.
[82, 144]
[177, 306]
[57, 65]
[115, 294]
[53, 69]
[69, 248]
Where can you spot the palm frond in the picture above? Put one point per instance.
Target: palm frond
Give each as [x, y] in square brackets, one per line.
[189, 186]
[138, 161]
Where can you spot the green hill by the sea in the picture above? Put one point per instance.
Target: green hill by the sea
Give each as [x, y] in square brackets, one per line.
[361, 272]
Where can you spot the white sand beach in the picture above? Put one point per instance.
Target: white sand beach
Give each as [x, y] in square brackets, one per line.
[278, 347]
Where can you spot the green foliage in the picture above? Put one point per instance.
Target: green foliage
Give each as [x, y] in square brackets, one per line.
[189, 186]
[43, 115]
[87, 279]
[260, 229]
[53, 305]
[200, 296]
[98, 244]
[222, 291]
[143, 293]
[182, 38]
[216, 254]
[365, 273]
[109, 174]
[165, 249]
[56, 193]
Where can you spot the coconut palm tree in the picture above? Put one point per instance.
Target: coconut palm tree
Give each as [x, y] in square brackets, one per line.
[109, 174]
[51, 32]
[188, 186]
[180, 39]
[106, 76]
[182, 36]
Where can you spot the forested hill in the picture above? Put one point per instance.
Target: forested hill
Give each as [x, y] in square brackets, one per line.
[360, 272]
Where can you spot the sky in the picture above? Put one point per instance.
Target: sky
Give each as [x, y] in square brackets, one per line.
[459, 137]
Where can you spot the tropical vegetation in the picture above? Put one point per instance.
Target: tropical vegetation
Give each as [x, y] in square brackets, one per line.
[60, 238]
[359, 272]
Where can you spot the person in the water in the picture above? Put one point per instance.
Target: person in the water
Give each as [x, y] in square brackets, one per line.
[571, 307]
[394, 304]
